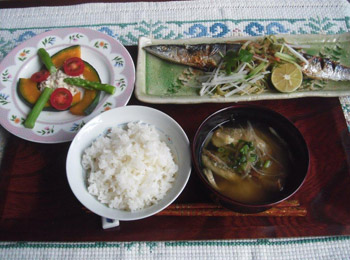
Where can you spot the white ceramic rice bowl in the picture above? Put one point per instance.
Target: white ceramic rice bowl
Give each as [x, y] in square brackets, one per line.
[170, 132]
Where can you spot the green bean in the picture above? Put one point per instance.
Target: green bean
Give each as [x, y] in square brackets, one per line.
[90, 84]
[38, 107]
[46, 59]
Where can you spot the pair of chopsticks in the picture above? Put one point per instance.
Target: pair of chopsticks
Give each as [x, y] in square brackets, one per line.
[285, 208]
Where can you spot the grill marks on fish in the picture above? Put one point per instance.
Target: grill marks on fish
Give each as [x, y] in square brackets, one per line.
[201, 56]
[323, 68]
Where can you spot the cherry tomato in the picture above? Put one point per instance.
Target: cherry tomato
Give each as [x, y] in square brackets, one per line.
[61, 99]
[73, 66]
[40, 76]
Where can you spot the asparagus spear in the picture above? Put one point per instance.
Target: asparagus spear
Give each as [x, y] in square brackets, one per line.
[46, 59]
[45, 95]
[38, 107]
[90, 84]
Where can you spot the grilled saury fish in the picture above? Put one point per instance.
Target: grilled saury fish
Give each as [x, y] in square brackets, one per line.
[201, 56]
[209, 56]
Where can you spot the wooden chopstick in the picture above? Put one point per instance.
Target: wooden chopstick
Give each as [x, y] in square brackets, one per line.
[283, 204]
[286, 208]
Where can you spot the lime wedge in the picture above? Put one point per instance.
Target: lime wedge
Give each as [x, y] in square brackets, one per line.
[287, 77]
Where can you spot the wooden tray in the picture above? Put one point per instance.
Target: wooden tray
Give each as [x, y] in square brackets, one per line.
[36, 203]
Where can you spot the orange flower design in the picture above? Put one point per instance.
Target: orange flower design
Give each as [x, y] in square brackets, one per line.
[22, 54]
[107, 108]
[17, 120]
[102, 44]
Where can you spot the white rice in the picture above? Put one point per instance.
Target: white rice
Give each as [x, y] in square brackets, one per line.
[130, 168]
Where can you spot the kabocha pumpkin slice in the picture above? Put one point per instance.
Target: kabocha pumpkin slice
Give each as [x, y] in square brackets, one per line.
[59, 58]
[87, 104]
[28, 91]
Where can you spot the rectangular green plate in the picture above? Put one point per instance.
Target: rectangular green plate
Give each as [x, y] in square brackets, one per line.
[156, 79]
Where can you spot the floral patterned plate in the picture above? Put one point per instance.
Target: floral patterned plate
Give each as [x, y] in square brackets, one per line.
[109, 57]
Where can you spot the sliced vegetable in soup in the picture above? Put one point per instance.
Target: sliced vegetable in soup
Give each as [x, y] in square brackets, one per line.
[247, 163]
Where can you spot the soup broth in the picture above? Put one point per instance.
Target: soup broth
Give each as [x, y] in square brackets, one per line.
[246, 162]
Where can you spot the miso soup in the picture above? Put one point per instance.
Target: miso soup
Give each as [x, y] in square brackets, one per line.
[246, 162]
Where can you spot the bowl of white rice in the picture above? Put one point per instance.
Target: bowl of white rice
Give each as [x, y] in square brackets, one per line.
[129, 163]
